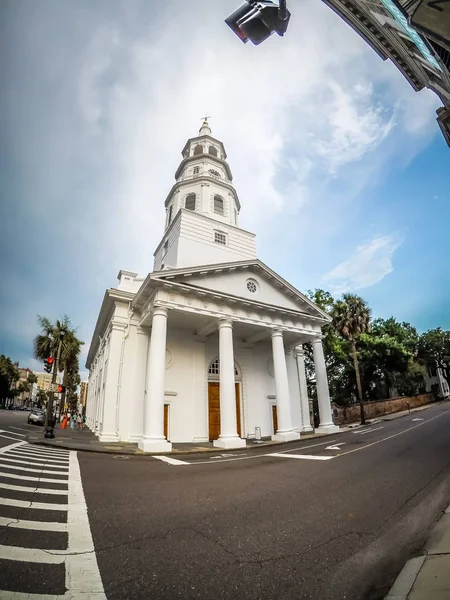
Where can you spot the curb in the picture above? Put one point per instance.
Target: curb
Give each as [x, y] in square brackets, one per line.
[406, 579]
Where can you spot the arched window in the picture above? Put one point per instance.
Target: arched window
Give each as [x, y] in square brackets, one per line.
[212, 151]
[198, 149]
[214, 368]
[196, 170]
[169, 217]
[189, 203]
[218, 205]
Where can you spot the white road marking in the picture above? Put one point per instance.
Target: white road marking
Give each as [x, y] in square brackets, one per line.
[417, 419]
[32, 490]
[7, 437]
[17, 468]
[34, 464]
[171, 461]
[12, 432]
[20, 454]
[368, 430]
[302, 456]
[310, 446]
[33, 451]
[389, 437]
[28, 504]
[27, 596]
[11, 446]
[82, 574]
[335, 447]
[37, 479]
[19, 429]
[30, 555]
[38, 525]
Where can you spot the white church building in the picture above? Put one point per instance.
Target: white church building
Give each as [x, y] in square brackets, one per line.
[209, 345]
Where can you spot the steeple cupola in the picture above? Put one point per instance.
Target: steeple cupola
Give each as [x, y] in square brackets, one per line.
[203, 190]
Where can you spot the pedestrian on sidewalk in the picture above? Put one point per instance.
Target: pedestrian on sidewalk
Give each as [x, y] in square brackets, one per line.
[64, 422]
[72, 422]
[84, 421]
[79, 422]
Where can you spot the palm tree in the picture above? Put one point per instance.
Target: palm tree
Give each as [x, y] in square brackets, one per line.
[55, 336]
[351, 318]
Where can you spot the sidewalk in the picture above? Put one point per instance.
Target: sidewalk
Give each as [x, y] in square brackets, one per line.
[86, 441]
[427, 577]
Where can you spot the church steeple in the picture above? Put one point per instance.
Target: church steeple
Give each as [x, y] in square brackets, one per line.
[203, 195]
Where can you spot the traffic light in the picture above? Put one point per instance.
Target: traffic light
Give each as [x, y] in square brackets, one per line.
[256, 21]
[61, 389]
[48, 364]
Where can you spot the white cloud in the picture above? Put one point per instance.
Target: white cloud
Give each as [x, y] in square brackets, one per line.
[107, 97]
[369, 264]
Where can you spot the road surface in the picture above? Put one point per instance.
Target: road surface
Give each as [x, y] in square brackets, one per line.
[325, 519]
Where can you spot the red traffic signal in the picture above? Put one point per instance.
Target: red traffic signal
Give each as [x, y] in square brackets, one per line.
[48, 364]
[61, 389]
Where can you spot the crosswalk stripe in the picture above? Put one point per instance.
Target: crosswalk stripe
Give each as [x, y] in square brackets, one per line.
[7, 437]
[31, 555]
[37, 479]
[31, 450]
[35, 449]
[20, 454]
[18, 468]
[38, 525]
[29, 504]
[31, 490]
[27, 462]
[12, 432]
[26, 596]
[11, 446]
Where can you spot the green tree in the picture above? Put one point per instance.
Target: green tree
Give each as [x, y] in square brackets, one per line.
[434, 349]
[9, 375]
[55, 335]
[351, 318]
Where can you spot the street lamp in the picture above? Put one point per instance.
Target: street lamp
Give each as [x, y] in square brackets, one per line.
[257, 20]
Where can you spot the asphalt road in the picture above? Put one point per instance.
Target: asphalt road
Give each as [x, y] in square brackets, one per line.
[332, 518]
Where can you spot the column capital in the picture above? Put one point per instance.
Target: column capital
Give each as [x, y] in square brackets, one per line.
[299, 351]
[225, 323]
[317, 339]
[276, 333]
[160, 310]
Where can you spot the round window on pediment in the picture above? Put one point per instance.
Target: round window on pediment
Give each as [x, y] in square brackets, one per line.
[252, 286]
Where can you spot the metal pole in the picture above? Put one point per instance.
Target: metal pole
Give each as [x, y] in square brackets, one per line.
[282, 11]
[49, 428]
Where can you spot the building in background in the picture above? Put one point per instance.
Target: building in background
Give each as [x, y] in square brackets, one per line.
[44, 380]
[24, 397]
[436, 379]
[83, 395]
[384, 25]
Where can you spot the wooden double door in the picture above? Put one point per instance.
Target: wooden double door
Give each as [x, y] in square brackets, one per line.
[214, 409]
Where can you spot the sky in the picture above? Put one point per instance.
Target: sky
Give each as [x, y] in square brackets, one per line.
[340, 166]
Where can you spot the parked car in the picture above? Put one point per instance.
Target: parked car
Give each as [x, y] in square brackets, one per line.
[36, 417]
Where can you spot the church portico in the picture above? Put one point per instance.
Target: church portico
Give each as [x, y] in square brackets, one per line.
[197, 352]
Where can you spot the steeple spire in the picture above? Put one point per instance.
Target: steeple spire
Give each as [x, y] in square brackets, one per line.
[205, 129]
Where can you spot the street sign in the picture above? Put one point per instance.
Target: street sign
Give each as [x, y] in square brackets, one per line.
[53, 387]
[432, 17]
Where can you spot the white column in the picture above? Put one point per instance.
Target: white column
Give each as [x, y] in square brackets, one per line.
[153, 439]
[285, 431]
[303, 388]
[108, 425]
[323, 393]
[228, 425]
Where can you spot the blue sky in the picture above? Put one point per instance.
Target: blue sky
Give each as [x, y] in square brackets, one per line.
[340, 167]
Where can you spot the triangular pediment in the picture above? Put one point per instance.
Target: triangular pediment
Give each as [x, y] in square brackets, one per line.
[248, 281]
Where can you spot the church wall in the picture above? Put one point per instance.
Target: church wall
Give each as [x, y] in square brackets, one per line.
[169, 257]
[135, 389]
[184, 385]
[294, 390]
[197, 246]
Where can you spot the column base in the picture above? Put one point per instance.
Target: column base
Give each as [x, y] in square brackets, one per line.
[307, 429]
[108, 437]
[154, 445]
[327, 429]
[229, 443]
[286, 436]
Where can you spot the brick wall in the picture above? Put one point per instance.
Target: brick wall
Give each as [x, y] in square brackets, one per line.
[351, 414]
